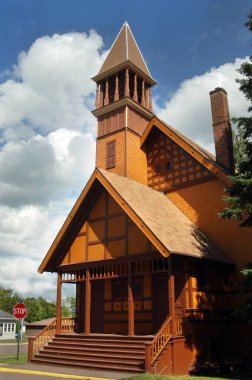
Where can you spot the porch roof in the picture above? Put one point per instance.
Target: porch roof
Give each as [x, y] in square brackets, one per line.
[168, 229]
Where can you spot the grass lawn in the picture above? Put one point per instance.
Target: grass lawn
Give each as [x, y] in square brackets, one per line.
[24, 340]
[11, 359]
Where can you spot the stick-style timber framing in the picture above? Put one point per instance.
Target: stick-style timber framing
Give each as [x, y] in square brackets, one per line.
[58, 303]
[131, 327]
[88, 304]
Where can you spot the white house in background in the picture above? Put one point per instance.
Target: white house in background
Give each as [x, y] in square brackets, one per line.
[7, 325]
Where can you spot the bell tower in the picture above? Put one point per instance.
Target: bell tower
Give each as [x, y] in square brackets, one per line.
[123, 108]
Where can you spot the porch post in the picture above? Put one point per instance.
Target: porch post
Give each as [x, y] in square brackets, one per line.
[87, 303]
[58, 304]
[171, 294]
[131, 321]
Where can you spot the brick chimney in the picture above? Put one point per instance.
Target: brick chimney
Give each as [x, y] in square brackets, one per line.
[222, 129]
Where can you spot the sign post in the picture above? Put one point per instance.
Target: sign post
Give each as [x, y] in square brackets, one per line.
[19, 312]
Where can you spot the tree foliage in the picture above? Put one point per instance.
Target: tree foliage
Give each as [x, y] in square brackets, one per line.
[239, 193]
[38, 308]
[245, 291]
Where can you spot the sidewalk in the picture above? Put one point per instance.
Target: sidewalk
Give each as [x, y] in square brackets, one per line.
[63, 372]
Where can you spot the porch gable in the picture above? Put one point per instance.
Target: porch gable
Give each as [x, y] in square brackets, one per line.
[107, 233]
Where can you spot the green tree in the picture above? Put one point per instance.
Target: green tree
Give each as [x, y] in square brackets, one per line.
[68, 307]
[245, 291]
[239, 193]
[8, 298]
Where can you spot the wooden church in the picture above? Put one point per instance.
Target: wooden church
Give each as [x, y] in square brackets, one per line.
[153, 264]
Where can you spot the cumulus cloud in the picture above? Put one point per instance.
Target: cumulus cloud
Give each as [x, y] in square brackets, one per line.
[50, 86]
[47, 150]
[47, 143]
[189, 111]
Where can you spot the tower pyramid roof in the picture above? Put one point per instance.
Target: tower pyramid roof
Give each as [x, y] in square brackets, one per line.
[124, 49]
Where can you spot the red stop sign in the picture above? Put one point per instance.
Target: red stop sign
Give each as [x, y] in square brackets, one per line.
[19, 310]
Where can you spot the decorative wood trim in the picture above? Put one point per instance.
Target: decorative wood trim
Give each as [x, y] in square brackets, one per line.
[126, 90]
[58, 303]
[95, 242]
[69, 256]
[121, 103]
[106, 225]
[87, 239]
[88, 303]
[171, 294]
[116, 96]
[94, 220]
[126, 64]
[126, 247]
[115, 238]
[131, 327]
[190, 292]
[143, 94]
[81, 234]
[115, 215]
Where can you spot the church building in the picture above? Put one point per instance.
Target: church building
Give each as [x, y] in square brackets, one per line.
[153, 264]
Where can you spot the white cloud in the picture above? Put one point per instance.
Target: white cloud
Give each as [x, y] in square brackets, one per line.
[48, 146]
[51, 86]
[47, 150]
[189, 111]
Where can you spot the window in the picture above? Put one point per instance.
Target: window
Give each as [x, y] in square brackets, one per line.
[120, 289]
[5, 327]
[111, 154]
[137, 288]
[9, 327]
[13, 327]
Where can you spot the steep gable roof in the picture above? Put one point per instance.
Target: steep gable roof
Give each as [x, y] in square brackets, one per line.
[202, 155]
[168, 229]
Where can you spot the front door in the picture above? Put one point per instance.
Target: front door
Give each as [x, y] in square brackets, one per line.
[97, 306]
[80, 307]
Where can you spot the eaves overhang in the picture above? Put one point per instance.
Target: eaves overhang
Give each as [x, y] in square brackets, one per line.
[127, 101]
[121, 66]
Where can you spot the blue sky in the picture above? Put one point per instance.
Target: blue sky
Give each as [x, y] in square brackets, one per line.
[179, 39]
[49, 50]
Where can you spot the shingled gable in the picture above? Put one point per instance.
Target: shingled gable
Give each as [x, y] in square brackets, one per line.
[201, 155]
[161, 227]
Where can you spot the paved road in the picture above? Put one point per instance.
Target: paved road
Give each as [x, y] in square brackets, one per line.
[11, 348]
[39, 372]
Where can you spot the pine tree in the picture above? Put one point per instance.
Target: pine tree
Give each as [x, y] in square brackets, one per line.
[239, 193]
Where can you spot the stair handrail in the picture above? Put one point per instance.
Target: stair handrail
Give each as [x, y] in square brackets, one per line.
[44, 336]
[167, 330]
[156, 346]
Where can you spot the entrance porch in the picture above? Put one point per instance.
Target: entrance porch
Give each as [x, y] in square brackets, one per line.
[129, 297]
